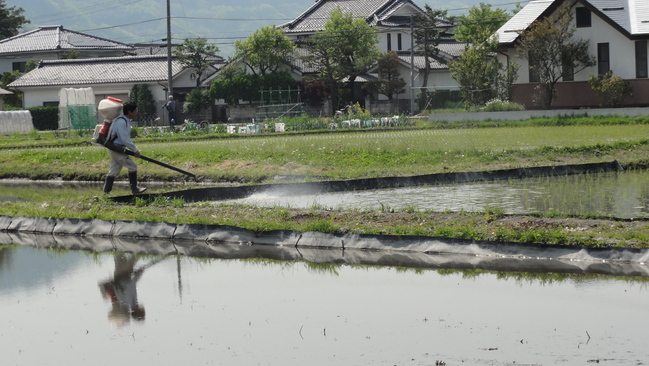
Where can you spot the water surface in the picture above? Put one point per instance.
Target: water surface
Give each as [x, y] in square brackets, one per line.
[260, 312]
[623, 195]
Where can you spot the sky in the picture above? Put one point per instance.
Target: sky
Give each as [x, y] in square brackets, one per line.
[221, 22]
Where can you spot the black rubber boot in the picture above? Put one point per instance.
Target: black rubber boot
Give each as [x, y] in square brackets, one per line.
[132, 179]
[108, 184]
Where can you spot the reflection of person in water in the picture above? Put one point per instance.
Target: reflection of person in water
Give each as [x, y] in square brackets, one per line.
[121, 291]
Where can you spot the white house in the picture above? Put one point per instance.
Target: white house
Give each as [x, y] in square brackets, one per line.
[53, 43]
[617, 31]
[392, 19]
[107, 76]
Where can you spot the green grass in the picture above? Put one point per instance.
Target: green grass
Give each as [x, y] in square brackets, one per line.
[346, 155]
[338, 155]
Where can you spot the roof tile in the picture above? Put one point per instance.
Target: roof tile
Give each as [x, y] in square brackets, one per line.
[57, 38]
[98, 71]
[377, 12]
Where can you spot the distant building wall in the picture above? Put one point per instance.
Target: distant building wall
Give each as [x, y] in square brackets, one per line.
[579, 94]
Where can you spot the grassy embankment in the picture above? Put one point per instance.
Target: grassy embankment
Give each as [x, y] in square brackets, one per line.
[345, 155]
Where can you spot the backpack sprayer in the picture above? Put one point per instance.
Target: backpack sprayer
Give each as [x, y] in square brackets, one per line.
[111, 109]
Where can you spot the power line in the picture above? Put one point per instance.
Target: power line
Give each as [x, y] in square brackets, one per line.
[87, 10]
[123, 25]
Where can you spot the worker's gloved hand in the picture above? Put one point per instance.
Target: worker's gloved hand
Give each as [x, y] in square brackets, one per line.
[137, 154]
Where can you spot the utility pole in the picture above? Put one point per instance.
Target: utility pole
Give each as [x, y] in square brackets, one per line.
[170, 89]
[412, 65]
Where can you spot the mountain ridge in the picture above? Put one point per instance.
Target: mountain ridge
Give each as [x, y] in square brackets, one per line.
[144, 21]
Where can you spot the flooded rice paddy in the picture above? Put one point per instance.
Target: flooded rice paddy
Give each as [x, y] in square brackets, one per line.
[622, 195]
[617, 194]
[82, 308]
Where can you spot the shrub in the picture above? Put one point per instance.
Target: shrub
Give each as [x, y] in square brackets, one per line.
[610, 87]
[45, 118]
[496, 105]
[197, 100]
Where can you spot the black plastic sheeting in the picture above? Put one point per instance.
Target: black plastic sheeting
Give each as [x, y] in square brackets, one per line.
[227, 193]
[216, 241]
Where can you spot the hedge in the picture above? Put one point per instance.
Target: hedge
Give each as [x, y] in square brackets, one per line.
[45, 118]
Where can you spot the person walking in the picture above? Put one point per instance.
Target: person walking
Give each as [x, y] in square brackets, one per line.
[171, 110]
[120, 134]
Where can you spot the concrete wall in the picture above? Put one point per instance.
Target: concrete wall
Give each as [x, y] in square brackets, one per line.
[388, 107]
[525, 115]
[242, 112]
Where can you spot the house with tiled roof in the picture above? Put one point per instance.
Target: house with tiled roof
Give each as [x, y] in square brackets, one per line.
[392, 19]
[107, 76]
[52, 43]
[617, 31]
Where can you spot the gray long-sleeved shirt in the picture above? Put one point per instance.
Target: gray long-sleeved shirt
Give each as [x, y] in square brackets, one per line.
[121, 130]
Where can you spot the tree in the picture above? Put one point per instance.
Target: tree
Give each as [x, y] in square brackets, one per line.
[31, 65]
[427, 37]
[196, 54]
[71, 54]
[344, 49]
[14, 100]
[552, 52]
[141, 95]
[235, 85]
[314, 92]
[277, 80]
[265, 51]
[481, 75]
[197, 100]
[11, 20]
[389, 82]
[481, 22]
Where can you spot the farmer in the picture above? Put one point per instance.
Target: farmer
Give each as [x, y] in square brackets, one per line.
[171, 109]
[120, 134]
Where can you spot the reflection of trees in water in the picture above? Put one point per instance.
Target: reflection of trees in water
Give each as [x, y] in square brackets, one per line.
[543, 278]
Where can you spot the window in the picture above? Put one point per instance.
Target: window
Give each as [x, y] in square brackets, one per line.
[583, 17]
[399, 42]
[389, 39]
[641, 59]
[603, 61]
[534, 76]
[18, 66]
